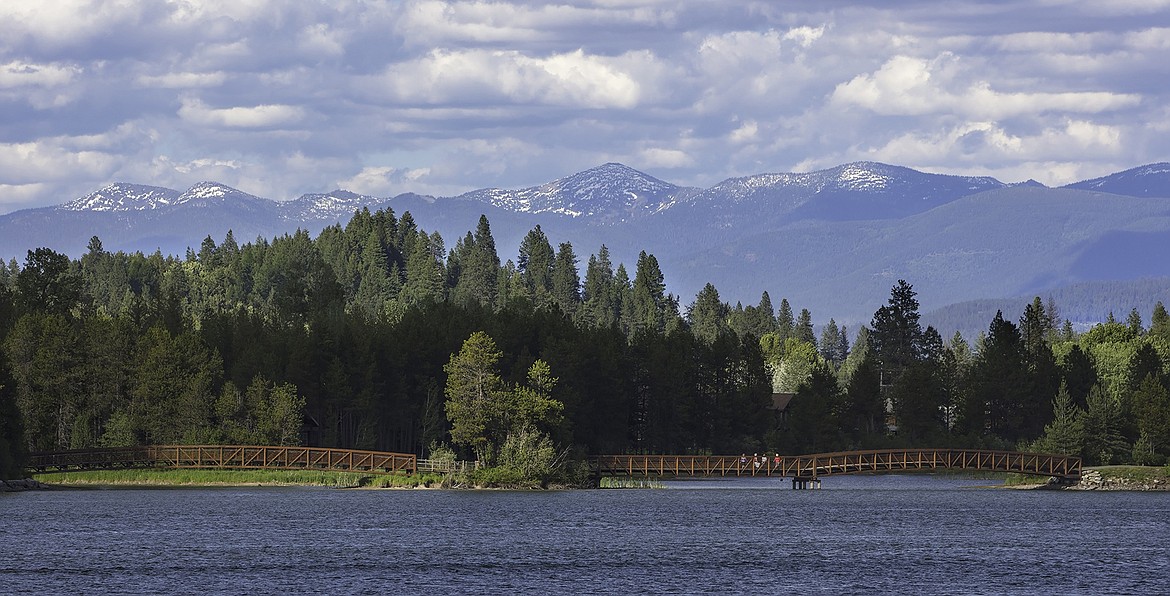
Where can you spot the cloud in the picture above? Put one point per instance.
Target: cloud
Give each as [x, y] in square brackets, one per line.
[182, 80]
[384, 180]
[46, 161]
[282, 98]
[482, 76]
[908, 86]
[657, 157]
[262, 116]
[23, 74]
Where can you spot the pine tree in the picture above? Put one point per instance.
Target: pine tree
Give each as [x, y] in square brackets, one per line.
[804, 328]
[1066, 433]
[830, 344]
[1079, 374]
[566, 282]
[600, 302]
[649, 295]
[785, 323]
[708, 316]
[895, 333]
[535, 265]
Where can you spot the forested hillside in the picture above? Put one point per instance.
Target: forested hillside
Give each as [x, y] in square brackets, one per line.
[351, 338]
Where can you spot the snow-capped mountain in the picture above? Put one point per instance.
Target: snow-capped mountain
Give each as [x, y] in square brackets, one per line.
[206, 194]
[1151, 180]
[327, 206]
[610, 192]
[834, 239]
[859, 190]
[121, 196]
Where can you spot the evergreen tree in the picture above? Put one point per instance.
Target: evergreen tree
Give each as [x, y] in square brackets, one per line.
[1035, 329]
[1160, 325]
[47, 283]
[1134, 322]
[13, 449]
[650, 304]
[785, 323]
[1000, 387]
[473, 392]
[1104, 444]
[804, 328]
[535, 265]
[812, 425]
[863, 412]
[895, 333]
[1066, 433]
[600, 307]
[566, 283]
[479, 265]
[1152, 406]
[830, 344]
[424, 272]
[1079, 374]
[707, 316]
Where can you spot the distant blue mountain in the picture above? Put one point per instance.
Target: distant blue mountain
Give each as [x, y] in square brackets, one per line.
[833, 241]
[1151, 180]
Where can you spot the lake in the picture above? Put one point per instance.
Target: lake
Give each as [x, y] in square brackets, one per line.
[858, 534]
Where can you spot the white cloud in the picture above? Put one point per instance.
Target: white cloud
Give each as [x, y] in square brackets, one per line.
[383, 180]
[656, 157]
[480, 76]
[804, 36]
[182, 80]
[910, 86]
[746, 132]
[990, 145]
[34, 162]
[23, 74]
[320, 39]
[262, 116]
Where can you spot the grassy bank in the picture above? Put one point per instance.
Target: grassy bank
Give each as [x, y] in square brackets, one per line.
[192, 478]
[1113, 477]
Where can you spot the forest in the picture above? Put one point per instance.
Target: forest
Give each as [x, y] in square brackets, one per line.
[375, 335]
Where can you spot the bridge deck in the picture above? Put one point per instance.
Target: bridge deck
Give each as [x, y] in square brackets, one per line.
[378, 462]
[225, 457]
[847, 462]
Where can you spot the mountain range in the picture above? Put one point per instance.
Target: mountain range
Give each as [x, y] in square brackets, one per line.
[833, 241]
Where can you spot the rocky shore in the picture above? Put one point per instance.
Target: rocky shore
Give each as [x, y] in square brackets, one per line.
[1095, 480]
[11, 486]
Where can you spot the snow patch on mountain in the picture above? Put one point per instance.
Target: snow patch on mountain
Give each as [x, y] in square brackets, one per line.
[121, 196]
[327, 206]
[609, 191]
[214, 192]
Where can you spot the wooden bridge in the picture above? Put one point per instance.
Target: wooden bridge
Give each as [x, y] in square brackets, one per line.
[801, 468]
[809, 468]
[238, 457]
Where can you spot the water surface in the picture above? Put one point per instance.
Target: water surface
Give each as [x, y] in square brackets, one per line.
[865, 534]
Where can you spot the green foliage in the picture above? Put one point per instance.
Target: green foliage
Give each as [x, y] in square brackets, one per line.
[529, 452]
[473, 392]
[12, 440]
[351, 332]
[1066, 433]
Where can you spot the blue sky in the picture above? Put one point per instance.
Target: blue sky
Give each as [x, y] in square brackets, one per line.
[283, 98]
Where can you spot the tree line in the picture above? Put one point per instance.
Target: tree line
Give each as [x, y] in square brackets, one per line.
[349, 339]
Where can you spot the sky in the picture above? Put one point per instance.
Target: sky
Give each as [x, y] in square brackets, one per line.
[282, 98]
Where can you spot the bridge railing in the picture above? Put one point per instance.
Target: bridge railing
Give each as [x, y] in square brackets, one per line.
[225, 457]
[845, 462]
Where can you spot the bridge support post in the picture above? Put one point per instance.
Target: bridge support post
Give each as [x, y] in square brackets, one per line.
[801, 483]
